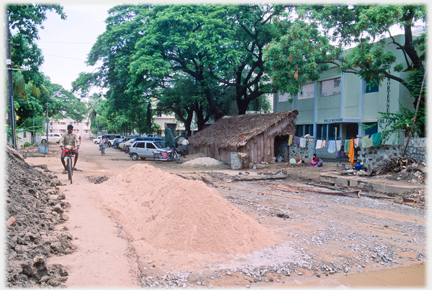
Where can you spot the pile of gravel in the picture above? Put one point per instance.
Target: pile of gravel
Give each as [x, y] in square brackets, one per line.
[34, 206]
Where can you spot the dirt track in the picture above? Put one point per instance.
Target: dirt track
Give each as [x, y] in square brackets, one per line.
[325, 238]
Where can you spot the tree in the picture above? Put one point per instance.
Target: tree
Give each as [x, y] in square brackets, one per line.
[214, 44]
[315, 39]
[24, 24]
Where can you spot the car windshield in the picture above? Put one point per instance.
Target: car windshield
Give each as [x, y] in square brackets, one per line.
[158, 144]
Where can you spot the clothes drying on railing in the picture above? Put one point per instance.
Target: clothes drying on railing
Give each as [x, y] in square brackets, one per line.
[338, 144]
[376, 139]
[302, 142]
[331, 146]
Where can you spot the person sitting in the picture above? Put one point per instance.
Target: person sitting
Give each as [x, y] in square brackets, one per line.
[315, 161]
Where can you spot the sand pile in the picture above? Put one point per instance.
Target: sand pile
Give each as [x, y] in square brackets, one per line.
[172, 213]
[204, 161]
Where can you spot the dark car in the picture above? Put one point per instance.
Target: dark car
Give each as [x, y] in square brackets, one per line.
[116, 141]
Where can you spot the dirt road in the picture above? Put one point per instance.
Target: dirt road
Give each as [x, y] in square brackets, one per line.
[324, 239]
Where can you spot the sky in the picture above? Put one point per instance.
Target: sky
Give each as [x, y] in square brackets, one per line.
[65, 44]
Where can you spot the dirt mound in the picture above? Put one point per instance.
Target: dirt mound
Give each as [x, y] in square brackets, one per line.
[34, 207]
[172, 213]
[204, 163]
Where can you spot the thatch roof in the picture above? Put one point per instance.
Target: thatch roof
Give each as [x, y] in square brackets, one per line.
[231, 132]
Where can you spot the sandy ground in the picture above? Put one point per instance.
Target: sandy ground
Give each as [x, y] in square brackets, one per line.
[318, 232]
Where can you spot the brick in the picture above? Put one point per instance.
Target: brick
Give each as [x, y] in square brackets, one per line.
[11, 221]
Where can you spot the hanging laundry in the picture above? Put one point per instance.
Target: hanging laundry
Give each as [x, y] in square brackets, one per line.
[331, 146]
[351, 153]
[376, 139]
[318, 144]
[347, 144]
[302, 142]
[290, 140]
[356, 141]
[324, 144]
[366, 142]
[296, 140]
[338, 144]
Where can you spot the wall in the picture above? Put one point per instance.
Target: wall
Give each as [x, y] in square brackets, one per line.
[21, 139]
[374, 156]
[305, 154]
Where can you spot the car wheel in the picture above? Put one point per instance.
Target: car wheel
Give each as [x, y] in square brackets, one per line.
[143, 158]
[134, 157]
[43, 141]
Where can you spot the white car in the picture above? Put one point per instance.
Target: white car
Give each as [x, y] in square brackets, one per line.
[52, 138]
[97, 139]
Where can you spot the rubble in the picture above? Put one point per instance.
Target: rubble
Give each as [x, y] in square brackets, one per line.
[32, 215]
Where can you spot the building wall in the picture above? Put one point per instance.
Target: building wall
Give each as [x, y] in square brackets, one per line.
[80, 128]
[351, 106]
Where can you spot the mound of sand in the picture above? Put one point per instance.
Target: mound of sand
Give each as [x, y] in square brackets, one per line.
[173, 213]
[203, 161]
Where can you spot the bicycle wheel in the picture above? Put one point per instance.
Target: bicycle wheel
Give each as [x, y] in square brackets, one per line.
[178, 158]
[69, 169]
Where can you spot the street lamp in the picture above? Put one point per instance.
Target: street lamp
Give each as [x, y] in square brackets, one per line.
[47, 119]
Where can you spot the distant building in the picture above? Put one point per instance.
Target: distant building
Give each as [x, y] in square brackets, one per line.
[80, 128]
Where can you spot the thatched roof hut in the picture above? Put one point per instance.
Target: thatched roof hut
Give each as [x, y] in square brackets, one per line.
[240, 133]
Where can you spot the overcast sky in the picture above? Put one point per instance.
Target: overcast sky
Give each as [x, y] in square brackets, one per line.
[65, 44]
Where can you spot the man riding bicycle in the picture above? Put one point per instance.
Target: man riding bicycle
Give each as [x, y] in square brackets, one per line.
[69, 139]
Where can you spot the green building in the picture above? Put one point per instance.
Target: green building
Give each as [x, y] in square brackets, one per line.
[333, 106]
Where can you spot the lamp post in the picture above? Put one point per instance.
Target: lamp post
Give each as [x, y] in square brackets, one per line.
[47, 119]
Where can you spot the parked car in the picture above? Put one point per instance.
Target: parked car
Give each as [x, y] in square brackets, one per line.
[52, 138]
[111, 142]
[121, 145]
[144, 149]
[97, 139]
[129, 143]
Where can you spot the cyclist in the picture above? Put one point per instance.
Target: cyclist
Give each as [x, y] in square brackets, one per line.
[70, 139]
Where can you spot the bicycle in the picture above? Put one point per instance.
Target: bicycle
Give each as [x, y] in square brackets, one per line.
[69, 164]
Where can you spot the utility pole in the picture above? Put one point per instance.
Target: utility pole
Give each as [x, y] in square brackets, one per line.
[10, 83]
[47, 119]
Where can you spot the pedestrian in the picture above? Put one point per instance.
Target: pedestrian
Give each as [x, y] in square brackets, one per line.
[341, 154]
[185, 143]
[79, 140]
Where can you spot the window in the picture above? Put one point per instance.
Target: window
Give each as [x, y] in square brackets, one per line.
[370, 88]
[308, 92]
[372, 130]
[140, 145]
[150, 145]
[331, 87]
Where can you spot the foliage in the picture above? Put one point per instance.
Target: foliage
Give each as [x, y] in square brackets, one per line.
[32, 89]
[27, 144]
[24, 24]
